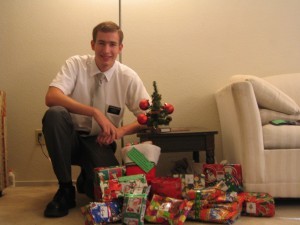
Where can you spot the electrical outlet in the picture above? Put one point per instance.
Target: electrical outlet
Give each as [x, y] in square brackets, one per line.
[39, 137]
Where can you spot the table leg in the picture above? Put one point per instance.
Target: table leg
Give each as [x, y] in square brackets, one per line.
[196, 157]
[210, 149]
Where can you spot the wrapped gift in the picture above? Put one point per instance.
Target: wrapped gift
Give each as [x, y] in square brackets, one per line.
[216, 172]
[108, 173]
[258, 204]
[208, 193]
[163, 209]
[167, 187]
[134, 184]
[111, 190]
[189, 182]
[232, 183]
[134, 207]
[116, 188]
[102, 174]
[217, 213]
[97, 213]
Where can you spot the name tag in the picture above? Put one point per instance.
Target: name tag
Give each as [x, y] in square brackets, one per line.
[114, 110]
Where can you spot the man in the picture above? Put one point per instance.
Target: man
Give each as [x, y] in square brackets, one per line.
[86, 104]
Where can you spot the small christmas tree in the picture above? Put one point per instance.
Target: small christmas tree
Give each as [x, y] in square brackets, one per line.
[156, 113]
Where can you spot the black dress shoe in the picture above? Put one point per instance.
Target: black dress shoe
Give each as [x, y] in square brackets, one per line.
[84, 185]
[63, 200]
[80, 183]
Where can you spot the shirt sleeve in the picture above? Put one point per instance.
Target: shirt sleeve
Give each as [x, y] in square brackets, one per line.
[66, 78]
[136, 93]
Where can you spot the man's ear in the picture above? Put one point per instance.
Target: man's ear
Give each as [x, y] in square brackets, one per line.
[93, 44]
[120, 47]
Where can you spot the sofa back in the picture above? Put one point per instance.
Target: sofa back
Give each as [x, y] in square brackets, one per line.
[288, 83]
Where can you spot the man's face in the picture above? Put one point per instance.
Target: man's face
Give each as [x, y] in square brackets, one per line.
[107, 48]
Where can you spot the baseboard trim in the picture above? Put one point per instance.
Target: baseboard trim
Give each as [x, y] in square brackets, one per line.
[37, 183]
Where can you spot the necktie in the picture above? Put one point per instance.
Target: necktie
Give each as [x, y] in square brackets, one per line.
[98, 101]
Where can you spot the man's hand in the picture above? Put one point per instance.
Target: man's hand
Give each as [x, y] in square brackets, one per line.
[109, 131]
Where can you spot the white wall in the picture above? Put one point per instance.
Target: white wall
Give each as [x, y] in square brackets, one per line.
[190, 47]
[36, 38]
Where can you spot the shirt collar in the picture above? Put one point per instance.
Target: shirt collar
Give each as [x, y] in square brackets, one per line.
[108, 74]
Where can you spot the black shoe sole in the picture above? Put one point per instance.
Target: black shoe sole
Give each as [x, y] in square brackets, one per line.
[54, 214]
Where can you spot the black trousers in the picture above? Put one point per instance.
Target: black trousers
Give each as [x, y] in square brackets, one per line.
[68, 147]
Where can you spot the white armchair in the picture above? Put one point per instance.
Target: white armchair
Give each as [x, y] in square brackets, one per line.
[269, 154]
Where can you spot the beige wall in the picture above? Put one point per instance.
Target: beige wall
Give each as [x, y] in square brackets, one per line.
[190, 47]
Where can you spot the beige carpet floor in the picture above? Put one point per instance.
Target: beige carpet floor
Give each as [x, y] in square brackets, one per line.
[25, 206]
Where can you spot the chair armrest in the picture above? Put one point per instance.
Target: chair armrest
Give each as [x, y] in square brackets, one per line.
[241, 128]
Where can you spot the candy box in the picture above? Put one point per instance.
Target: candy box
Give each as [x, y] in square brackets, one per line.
[216, 172]
[258, 204]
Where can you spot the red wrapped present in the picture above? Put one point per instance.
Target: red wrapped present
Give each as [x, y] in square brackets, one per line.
[258, 204]
[217, 213]
[102, 174]
[166, 187]
[189, 182]
[216, 172]
[209, 193]
[116, 188]
[163, 209]
[108, 173]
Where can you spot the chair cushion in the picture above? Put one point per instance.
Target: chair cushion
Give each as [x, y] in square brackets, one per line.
[281, 137]
[268, 96]
[267, 115]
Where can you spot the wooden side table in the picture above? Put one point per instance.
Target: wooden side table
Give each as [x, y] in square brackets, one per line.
[184, 140]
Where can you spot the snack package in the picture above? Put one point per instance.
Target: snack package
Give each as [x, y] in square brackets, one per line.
[97, 213]
[258, 204]
[163, 209]
[167, 187]
[134, 207]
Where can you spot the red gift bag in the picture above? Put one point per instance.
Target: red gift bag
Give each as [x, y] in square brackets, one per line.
[167, 187]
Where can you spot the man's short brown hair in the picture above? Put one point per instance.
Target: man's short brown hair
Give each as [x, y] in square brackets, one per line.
[106, 27]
